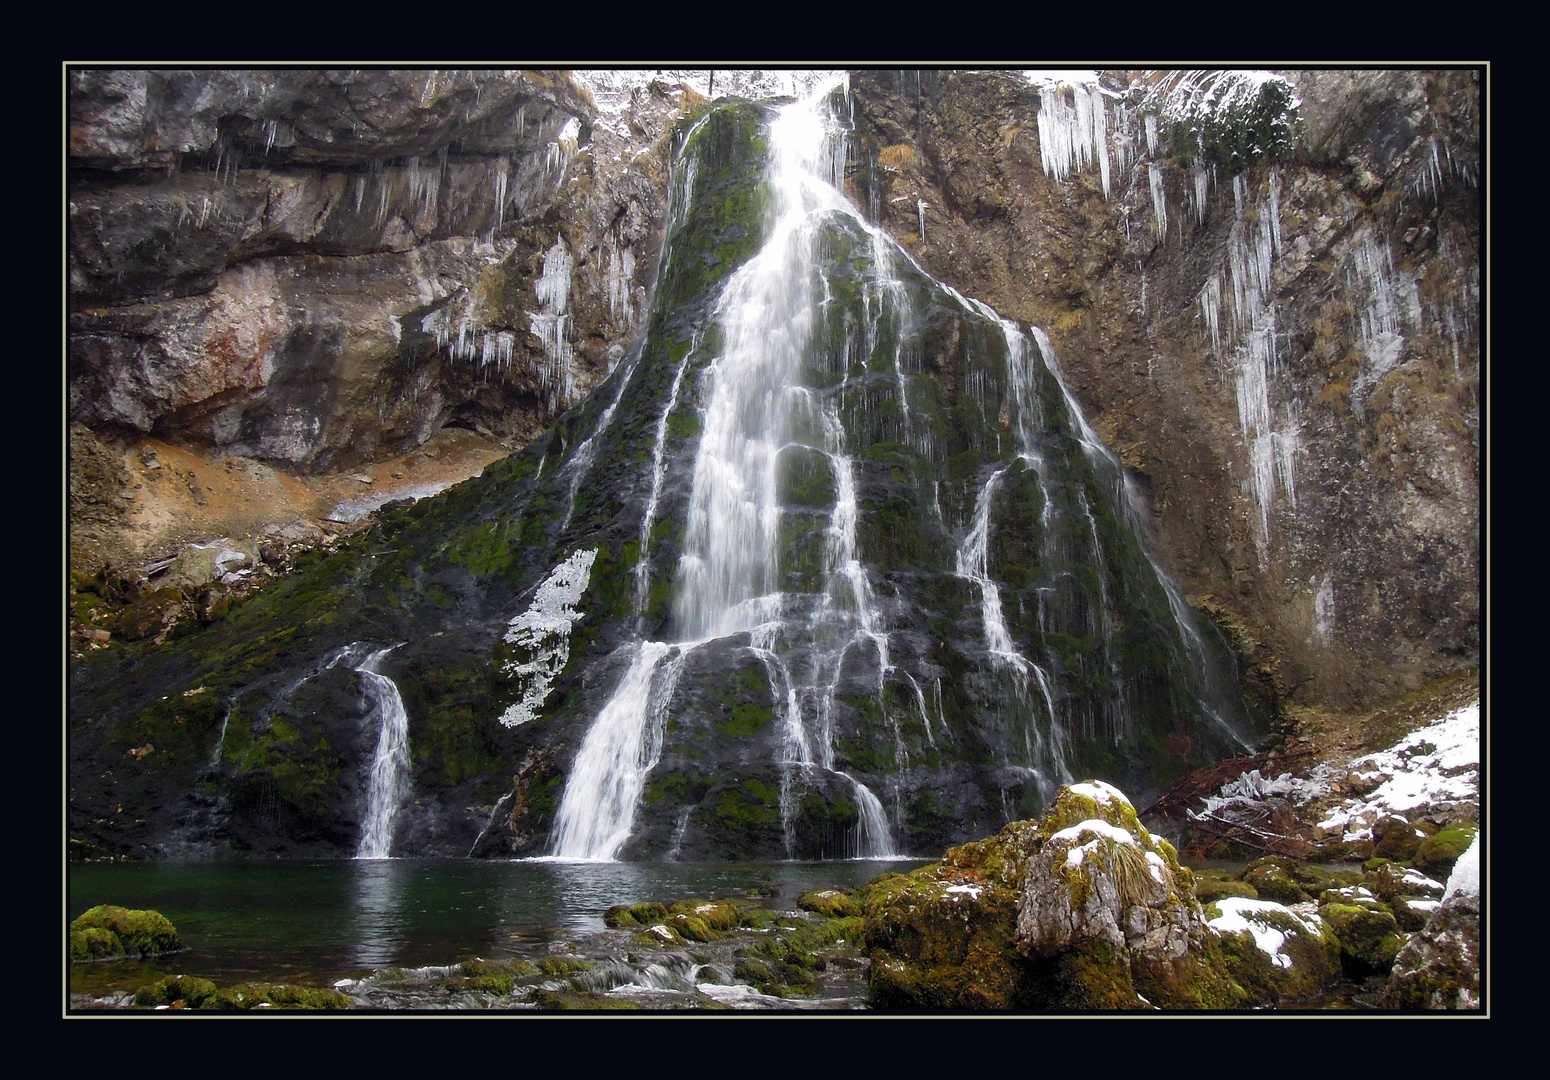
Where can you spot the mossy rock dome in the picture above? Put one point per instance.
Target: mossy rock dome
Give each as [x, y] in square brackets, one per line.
[141, 933]
[1084, 909]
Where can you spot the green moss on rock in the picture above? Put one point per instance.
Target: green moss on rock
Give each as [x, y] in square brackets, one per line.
[94, 943]
[829, 902]
[1437, 854]
[1209, 889]
[717, 916]
[625, 916]
[190, 991]
[1397, 839]
[1368, 934]
[944, 936]
[141, 933]
[555, 966]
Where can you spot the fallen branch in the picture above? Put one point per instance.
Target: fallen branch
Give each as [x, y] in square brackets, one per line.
[153, 568]
[1274, 843]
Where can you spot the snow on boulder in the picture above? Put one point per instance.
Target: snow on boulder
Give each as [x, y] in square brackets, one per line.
[1276, 952]
[1439, 967]
[1109, 916]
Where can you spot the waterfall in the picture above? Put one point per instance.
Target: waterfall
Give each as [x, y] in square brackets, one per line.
[727, 579]
[220, 740]
[973, 563]
[581, 461]
[658, 473]
[390, 779]
[796, 376]
[1207, 678]
[620, 749]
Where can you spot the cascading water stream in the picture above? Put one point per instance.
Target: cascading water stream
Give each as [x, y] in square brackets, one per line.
[220, 740]
[727, 578]
[581, 462]
[1047, 761]
[620, 749]
[390, 779]
[1106, 463]
[764, 418]
[658, 473]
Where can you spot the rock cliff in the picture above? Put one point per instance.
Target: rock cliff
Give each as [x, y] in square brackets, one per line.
[1266, 293]
[1261, 293]
[324, 269]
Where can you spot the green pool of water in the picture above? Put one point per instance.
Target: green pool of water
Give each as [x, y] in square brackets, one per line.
[315, 922]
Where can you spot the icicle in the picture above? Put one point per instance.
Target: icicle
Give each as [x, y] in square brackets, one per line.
[1159, 201]
[551, 324]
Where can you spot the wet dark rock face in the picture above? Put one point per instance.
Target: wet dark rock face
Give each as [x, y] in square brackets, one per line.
[447, 575]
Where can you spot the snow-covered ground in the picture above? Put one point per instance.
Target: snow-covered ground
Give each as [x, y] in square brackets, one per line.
[1426, 771]
[358, 507]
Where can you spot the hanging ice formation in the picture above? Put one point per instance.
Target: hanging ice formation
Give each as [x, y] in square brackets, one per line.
[551, 325]
[540, 636]
[806, 372]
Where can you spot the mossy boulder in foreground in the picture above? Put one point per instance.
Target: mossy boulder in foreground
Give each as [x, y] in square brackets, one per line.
[1084, 909]
[1437, 854]
[944, 936]
[1275, 953]
[1109, 917]
[276, 996]
[190, 991]
[1367, 930]
[95, 943]
[1439, 967]
[138, 933]
[829, 902]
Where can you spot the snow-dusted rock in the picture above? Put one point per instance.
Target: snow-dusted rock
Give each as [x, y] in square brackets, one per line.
[1439, 968]
[1107, 911]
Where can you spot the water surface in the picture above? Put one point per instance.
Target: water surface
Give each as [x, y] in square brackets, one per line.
[316, 922]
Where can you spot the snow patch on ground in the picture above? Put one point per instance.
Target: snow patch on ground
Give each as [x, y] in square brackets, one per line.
[1440, 763]
[358, 507]
[1465, 879]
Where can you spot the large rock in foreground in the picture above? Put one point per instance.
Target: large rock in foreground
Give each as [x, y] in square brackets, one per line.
[1109, 917]
[1084, 909]
[108, 932]
[1439, 967]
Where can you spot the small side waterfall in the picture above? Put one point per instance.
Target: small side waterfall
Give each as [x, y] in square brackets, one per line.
[1207, 679]
[390, 778]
